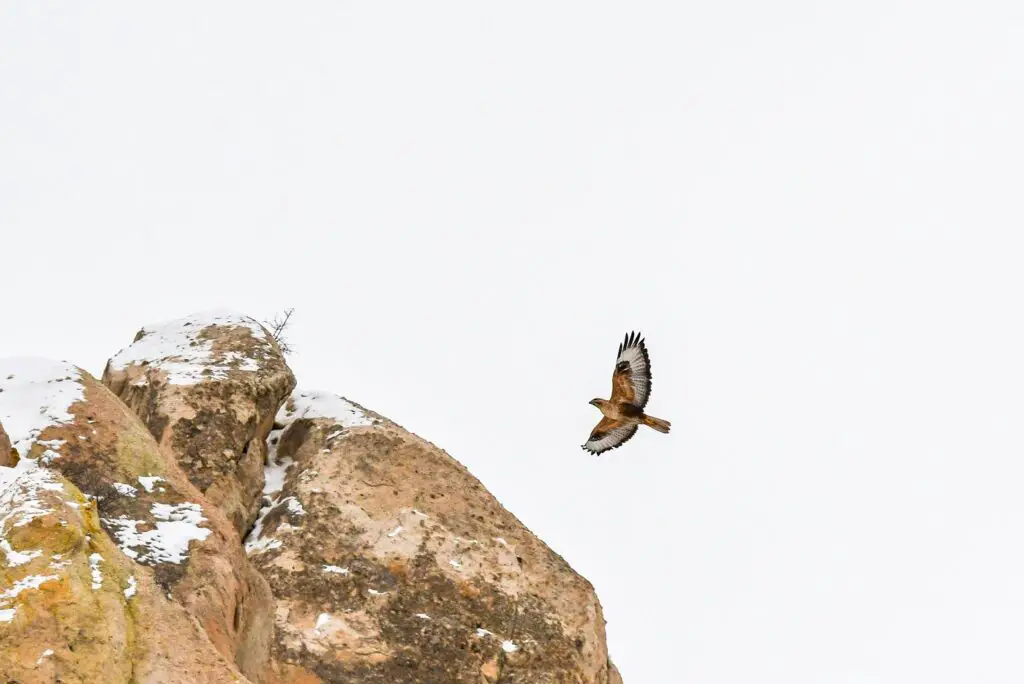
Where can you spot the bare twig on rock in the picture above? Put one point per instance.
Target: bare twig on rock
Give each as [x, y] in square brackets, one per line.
[278, 325]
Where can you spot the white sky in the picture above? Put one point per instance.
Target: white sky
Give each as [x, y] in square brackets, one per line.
[812, 210]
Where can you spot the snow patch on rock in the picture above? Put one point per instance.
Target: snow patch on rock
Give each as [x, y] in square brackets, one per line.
[321, 621]
[254, 541]
[36, 394]
[176, 526]
[313, 404]
[276, 469]
[97, 575]
[20, 489]
[125, 489]
[148, 482]
[180, 350]
[24, 584]
[16, 558]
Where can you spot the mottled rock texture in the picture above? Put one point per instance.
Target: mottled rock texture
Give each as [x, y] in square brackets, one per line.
[76, 610]
[193, 518]
[207, 387]
[153, 514]
[392, 564]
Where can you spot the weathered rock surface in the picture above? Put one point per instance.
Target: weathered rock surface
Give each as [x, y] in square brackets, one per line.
[208, 387]
[153, 518]
[392, 564]
[74, 609]
[121, 558]
[5, 448]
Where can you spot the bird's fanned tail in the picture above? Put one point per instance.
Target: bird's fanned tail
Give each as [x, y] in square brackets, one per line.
[657, 423]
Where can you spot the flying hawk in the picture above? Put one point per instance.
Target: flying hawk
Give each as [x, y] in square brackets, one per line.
[631, 387]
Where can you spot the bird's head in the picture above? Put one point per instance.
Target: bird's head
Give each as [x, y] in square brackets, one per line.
[598, 402]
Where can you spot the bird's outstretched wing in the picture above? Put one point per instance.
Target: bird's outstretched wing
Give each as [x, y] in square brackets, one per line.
[609, 434]
[631, 380]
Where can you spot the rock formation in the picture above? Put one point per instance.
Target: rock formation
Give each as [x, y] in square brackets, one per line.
[76, 609]
[369, 555]
[94, 584]
[391, 563]
[5, 448]
[145, 503]
[207, 387]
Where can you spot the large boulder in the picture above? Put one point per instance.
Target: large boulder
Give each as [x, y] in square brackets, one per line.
[146, 512]
[208, 386]
[391, 563]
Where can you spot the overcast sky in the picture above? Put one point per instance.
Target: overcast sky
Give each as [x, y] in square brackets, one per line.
[812, 210]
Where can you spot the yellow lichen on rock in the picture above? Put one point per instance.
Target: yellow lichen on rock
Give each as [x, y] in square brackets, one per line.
[132, 496]
[74, 609]
[123, 507]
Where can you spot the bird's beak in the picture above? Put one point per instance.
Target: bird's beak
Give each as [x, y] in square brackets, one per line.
[592, 402]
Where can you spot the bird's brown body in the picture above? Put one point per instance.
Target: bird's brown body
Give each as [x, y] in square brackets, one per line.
[614, 411]
[624, 412]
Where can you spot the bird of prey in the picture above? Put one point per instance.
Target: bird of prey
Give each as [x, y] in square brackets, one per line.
[631, 387]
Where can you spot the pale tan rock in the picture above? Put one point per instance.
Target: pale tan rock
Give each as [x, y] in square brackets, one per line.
[207, 387]
[7, 457]
[391, 563]
[156, 520]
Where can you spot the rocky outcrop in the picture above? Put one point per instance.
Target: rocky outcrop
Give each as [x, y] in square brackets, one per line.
[366, 554]
[74, 608]
[6, 450]
[142, 501]
[391, 563]
[207, 387]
